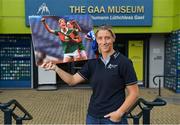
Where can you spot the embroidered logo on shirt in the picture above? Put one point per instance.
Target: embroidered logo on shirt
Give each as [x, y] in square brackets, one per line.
[116, 55]
[110, 66]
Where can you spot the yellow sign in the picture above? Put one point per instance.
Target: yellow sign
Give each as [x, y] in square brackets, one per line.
[135, 53]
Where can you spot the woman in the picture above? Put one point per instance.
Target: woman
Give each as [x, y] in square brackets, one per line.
[108, 75]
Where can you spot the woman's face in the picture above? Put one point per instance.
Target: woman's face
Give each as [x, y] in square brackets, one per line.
[105, 41]
[62, 24]
[69, 25]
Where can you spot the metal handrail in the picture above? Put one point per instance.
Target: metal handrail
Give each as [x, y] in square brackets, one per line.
[159, 76]
[5, 107]
[145, 107]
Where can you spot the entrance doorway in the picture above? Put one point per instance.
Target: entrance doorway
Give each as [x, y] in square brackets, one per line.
[135, 47]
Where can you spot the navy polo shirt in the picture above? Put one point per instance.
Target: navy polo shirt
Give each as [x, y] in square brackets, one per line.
[108, 83]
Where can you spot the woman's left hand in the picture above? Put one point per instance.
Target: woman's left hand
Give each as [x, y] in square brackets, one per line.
[114, 116]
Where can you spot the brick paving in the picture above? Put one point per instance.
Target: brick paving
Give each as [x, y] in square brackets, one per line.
[69, 106]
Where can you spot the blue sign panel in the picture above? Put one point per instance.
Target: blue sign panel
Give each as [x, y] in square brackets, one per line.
[111, 12]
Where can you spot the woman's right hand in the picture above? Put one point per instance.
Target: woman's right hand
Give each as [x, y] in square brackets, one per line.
[43, 20]
[49, 66]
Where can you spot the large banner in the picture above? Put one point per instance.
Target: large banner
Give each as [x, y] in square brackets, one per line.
[62, 39]
[112, 12]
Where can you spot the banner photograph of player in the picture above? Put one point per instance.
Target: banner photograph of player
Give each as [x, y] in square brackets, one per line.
[62, 39]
